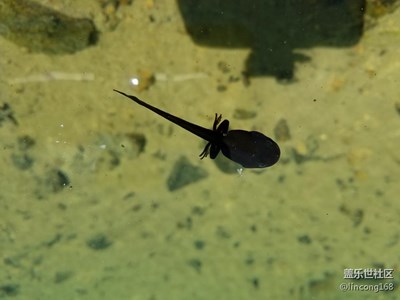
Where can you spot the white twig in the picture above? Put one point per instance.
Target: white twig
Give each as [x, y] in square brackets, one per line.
[50, 76]
[179, 77]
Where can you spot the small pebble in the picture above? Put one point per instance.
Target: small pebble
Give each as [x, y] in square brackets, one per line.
[244, 114]
[282, 131]
[199, 245]
[195, 264]
[22, 161]
[57, 180]
[146, 80]
[304, 239]
[221, 88]
[25, 142]
[98, 242]
[223, 67]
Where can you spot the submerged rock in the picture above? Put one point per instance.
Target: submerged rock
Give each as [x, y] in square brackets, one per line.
[41, 29]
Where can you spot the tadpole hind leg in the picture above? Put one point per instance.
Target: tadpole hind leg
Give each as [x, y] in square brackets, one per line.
[205, 151]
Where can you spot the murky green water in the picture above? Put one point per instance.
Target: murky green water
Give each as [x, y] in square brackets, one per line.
[102, 199]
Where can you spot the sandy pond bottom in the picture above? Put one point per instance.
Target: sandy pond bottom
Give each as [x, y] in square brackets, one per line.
[86, 210]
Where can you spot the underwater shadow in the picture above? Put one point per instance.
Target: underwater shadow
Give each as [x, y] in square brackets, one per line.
[273, 29]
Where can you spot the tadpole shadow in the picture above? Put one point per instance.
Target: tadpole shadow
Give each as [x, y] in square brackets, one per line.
[273, 29]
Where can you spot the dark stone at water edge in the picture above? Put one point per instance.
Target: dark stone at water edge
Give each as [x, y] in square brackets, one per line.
[41, 29]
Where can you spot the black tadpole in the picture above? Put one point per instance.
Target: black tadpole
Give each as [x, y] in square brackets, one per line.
[251, 149]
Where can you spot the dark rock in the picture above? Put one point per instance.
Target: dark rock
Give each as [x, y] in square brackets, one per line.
[9, 290]
[25, 142]
[195, 264]
[221, 88]
[41, 29]
[304, 239]
[223, 233]
[116, 147]
[60, 277]
[57, 180]
[138, 140]
[22, 161]
[98, 242]
[6, 113]
[223, 67]
[282, 131]
[185, 224]
[199, 244]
